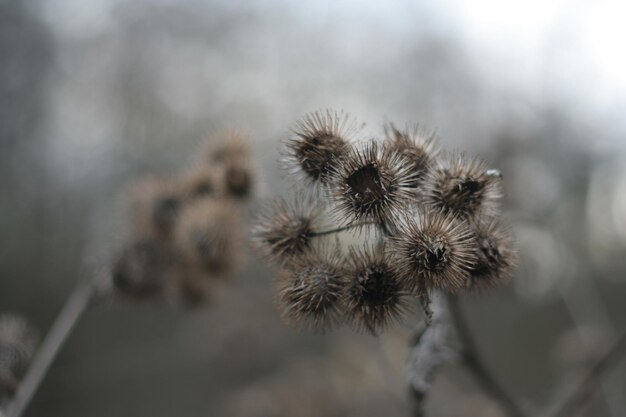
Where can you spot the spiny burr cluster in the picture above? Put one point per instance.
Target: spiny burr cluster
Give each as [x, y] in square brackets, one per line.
[377, 223]
[186, 230]
[17, 345]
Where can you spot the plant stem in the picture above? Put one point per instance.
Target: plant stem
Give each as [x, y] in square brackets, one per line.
[66, 320]
[581, 394]
[476, 366]
[340, 229]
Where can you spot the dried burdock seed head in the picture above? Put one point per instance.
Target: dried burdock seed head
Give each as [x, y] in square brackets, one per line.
[156, 205]
[320, 141]
[464, 187]
[372, 185]
[374, 294]
[496, 256]
[208, 236]
[144, 267]
[237, 179]
[309, 291]
[227, 146]
[433, 251]
[285, 230]
[201, 182]
[414, 144]
[17, 345]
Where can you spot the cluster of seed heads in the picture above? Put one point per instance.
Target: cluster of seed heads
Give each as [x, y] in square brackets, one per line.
[430, 220]
[17, 345]
[186, 233]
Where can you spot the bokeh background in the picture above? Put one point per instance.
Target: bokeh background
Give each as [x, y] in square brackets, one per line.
[94, 94]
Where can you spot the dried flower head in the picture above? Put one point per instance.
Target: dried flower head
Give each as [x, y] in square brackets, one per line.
[227, 146]
[237, 179]
[496, 256]
[433, 251]
[320, 142]
[464, 187]
[208, 236]
[285, 230]
[309, 291]
[416, 145]
[372, 185]
[17, 345]
[156, 205]
[200, 182]
[374, 294]
[144, 267]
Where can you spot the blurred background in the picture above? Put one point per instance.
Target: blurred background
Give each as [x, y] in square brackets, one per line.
[94, 94]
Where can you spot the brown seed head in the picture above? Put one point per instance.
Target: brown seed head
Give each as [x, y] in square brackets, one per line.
[433, 251]
[464, 187]
[156, 205]
[144, 267]
[374, 294]
[285, 230]
[200, 182]
[372, 185]
[496, 256]
[309, 291]
[320, 141]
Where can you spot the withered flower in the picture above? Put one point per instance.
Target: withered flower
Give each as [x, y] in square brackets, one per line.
[372, 184]
[320, 141]
[286, 229]
[433, 250]
[496, 256]
[156, 205]
[309, 291]
[200, 182]
[464, 187]
[374, 294]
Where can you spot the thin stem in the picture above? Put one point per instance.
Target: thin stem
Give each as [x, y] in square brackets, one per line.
[340, 229]
[476, 366]
[72, 310]
[587, 386]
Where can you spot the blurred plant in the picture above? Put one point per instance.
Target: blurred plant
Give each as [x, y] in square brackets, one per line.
[17, 344]
[376, 224]
[184, 240]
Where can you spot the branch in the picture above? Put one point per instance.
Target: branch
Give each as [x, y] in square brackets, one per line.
[72, 310]
[587, 386]
[476, 366]
[341, 229]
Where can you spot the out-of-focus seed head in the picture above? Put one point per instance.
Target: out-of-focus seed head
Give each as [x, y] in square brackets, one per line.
[194, 288]
[320, 142]
[464, 187]
[416, 145]
[144, 267]
[200, 182]
[17, 345]
[496, 256]
[309, 291]
[156, 205]
[372, 185]
[285, 230]
[208, 236]
[433, 251]
[237, 179]
[374, 294]
[227, 146]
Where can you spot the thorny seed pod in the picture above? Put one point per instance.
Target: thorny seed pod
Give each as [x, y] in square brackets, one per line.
[464, 187]
[237, 179]
[199, 183]
[309, 291]
[286, 229]
[227, 146]
[496, 256]
[417, 146]
[371, 185]
[156, 205]
[433, 251]
[208, 236]
[144, 267]
[17, 345]
[374, 294]
[320, 141]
